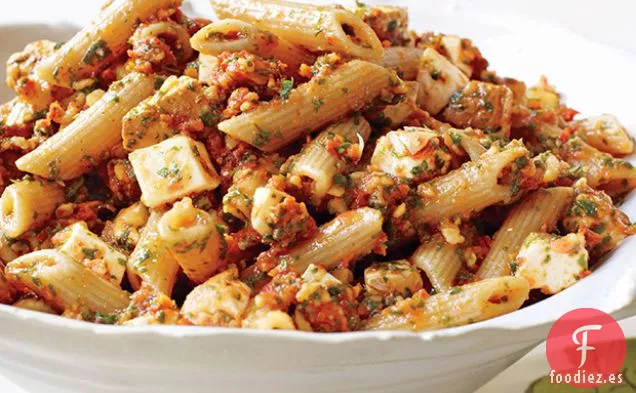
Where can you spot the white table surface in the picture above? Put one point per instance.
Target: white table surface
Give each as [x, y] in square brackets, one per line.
[610, 22]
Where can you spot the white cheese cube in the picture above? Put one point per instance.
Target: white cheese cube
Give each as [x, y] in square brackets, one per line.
[439, 80]
[172, 169]
[552, 263]
[407, 154]
[77, 242]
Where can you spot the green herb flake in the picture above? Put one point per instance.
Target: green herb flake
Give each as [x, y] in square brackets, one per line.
[455, 291]
[286, 87]
[209, 119]
[317, 102]
[89, 252]
[97, 51]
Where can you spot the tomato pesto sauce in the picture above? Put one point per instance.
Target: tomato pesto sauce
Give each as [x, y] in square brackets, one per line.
[297, 167]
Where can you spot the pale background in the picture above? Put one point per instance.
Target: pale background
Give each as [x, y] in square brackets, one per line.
[609, 23]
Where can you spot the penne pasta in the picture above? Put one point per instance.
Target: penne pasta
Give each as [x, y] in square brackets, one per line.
[152, 120]
[322, 163]
[350, 235]
[193, 238]
[468, 189]
[151, 260]
[316, 28]
[26, 204]
[63, 282]
[537, 212]
[463, 305]
[99, 42]
[288, 159]
[311, 106]
[232, 35]
[405, 61]
[606, 134]
[598, 167]
[440, 261]
[85, 142]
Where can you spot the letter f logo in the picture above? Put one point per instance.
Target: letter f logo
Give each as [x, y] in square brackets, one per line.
[583, 344]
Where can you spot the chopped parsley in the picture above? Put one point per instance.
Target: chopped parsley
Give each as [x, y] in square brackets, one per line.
[97, 51]
[585, 206]
[286, 87]
[209, 119]
[317, 102]
[261, 138]
[89, 252]
[456, 138]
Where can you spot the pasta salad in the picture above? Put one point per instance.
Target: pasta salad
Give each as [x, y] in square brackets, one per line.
[297, 167]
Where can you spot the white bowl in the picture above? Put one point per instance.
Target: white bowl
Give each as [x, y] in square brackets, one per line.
[45, 353]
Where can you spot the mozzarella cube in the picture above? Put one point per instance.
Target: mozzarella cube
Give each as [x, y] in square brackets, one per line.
[412, 153]
[439, 80]
[315, 278]
[277, 216]
[77, 242]
[455, 51]
[172, 169]
[552, 263]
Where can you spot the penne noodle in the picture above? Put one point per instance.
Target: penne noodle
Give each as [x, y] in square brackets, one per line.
[463, 305]
[350, 235]
[405, 61]
[440, 261]
[318, 164]
[317, 28]
[310, 106]
[26, 204]
[151, 260]
[468, 189]
[99, 42]
[231, 35]
[193, 238]
[606, 134]
[598, 167]
[537, 212]
[292, 166]
[63, 282]
[85, 142]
